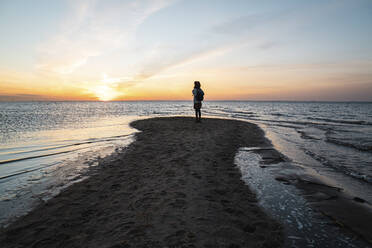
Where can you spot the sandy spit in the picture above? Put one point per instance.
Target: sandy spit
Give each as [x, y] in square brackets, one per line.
[175, 186]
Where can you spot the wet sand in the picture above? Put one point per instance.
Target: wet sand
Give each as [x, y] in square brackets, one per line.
[313, 213]
[175, 186]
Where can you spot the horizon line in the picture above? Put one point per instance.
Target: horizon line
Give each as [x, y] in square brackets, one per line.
[225, 100]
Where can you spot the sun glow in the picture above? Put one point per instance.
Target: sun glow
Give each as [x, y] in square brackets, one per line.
[105, 93]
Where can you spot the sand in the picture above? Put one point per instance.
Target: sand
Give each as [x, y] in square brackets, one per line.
[175, 186]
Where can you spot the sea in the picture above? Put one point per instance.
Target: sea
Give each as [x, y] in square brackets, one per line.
[47, 146]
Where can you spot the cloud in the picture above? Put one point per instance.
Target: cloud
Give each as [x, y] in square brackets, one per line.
[26, 97]
[158, 64]
[262, 31]
[205, 45]
[257, 32]
[92, 29]
[241, 25]
[359, 66]
[95, 28]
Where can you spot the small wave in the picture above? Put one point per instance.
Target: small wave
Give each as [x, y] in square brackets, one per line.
[26, 171]
[352, 122]
[215, 114]
[160, 112]
[360, 147]
[293, 122]
[287, 126]
[230, 111]
[36, 156]
[252, 116]
[345, 170]
[280, 114]
[89, 141]
[304, 135]
[242, 112]
[243, 116]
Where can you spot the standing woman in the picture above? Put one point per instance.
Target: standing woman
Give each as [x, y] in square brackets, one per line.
[198, 98]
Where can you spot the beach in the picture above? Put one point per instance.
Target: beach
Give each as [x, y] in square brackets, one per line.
[175, 186]
[100, 140]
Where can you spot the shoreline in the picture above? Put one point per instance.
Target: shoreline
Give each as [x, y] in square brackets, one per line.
[175, 186]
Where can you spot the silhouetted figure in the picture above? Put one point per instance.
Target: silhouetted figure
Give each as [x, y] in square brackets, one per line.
[198, 98]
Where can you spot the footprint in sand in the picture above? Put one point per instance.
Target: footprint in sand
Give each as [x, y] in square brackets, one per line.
[115, 186]
[178, 203]
[180, 195]
[196, 175]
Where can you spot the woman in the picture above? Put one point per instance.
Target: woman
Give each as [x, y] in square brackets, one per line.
[198, 98]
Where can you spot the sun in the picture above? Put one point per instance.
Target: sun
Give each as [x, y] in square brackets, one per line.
[105, 93]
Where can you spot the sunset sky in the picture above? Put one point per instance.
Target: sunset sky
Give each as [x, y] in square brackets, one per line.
[154, 50]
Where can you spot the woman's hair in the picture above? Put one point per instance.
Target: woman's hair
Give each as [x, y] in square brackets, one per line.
[197, 84]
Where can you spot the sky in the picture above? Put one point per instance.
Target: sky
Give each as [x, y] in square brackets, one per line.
[318, 50]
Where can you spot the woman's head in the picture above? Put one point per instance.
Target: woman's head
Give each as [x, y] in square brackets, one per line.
[197, 84]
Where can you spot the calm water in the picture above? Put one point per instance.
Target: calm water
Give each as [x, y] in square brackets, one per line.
[45, 146]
